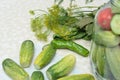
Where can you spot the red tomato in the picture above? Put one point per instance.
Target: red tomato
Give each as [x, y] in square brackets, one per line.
[104, 18]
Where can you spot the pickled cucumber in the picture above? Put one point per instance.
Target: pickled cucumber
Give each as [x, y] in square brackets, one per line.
[106, 38]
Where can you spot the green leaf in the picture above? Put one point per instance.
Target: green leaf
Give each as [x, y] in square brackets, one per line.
[87, 37]
[80, 35]
[84, 21]
[89, 29]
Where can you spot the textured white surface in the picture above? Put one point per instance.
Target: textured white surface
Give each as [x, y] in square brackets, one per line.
[15, 28]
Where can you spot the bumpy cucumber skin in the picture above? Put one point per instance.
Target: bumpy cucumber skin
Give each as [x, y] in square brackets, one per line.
[113, 58]
[37, 75]
[78, 77]
[115, 24]
[61, 68]
[102, 64]
[59, 44]
[45, 56]
[26, 53]
[100, 59]
[14, 71]
[93, 52]
[106, 38]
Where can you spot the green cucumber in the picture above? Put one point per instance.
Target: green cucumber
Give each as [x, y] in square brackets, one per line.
[61, 68]
[93, 52]
[98, 56]
[106, 38]
[100, 59]
[26, 53]
[37, 75]
[113, 58]
[14, 71]
[115, 24]
[45, 56]
[64, 44]
[78, 77]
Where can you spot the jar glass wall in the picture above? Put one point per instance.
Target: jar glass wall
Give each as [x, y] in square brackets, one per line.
[105, 48]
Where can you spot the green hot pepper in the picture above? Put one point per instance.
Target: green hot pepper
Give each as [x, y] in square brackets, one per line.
[64, 44]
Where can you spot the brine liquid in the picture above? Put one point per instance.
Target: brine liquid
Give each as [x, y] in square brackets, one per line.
[99, 63]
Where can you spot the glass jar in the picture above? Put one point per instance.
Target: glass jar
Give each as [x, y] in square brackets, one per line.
[105, 48]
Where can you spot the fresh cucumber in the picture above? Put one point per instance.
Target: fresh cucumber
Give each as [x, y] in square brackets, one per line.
[78, 77]
[37, 75]
[115, 24]
[61, 68]
[26, 53]
[106, 38]
[45, 56]
[64, 44]
[14, 71]
[113, 58]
